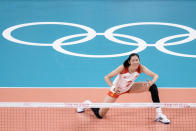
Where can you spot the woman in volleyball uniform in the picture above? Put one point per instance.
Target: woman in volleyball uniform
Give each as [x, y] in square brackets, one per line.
[124, 82]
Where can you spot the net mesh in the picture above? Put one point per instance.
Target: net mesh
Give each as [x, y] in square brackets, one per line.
[120, 117]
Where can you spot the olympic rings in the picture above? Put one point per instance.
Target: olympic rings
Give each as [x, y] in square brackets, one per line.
[57, 46]
[160, 46]
[7, 33]
[110, 35]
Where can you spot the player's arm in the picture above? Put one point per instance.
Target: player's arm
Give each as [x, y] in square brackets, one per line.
[148, 72]
[115, 72]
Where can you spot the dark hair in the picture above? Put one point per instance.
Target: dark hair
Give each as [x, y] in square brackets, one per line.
[126, 62]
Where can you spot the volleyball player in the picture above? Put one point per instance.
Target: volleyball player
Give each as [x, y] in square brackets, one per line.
[126, 74]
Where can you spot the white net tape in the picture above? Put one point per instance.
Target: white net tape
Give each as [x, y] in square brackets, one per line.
[96, 105]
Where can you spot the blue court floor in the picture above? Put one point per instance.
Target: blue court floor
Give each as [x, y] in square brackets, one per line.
[75, 43]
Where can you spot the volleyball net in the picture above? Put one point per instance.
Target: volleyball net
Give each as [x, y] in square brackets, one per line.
[34, 116]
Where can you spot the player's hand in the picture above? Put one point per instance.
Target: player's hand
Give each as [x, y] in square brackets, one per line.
[149, 83]
[116, 90]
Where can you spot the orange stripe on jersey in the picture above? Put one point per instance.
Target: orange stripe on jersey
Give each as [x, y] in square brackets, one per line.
[139, 68]
[125, 70]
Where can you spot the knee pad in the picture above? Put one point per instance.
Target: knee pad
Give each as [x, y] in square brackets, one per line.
[154, 93]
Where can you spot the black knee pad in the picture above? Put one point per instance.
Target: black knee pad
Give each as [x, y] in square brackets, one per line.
[154, 93]
[96, 112]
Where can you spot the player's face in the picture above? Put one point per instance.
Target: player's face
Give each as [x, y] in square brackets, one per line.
[134, 61]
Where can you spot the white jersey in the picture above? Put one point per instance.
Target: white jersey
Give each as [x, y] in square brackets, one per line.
[125, 80]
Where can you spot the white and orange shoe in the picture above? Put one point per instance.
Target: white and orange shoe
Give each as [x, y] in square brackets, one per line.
[82, 109]
[162, 118]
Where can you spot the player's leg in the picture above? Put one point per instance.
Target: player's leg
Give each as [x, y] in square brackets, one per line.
[142, 87]
[155, 98]
[108, 99]
[139, 87]
[101, 112]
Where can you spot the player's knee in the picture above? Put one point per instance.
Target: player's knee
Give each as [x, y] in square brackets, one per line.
[103, 111]
[154, 93]
[96, 112]
[153, 88]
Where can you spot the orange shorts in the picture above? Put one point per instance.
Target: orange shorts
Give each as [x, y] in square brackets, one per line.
[114, 95]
